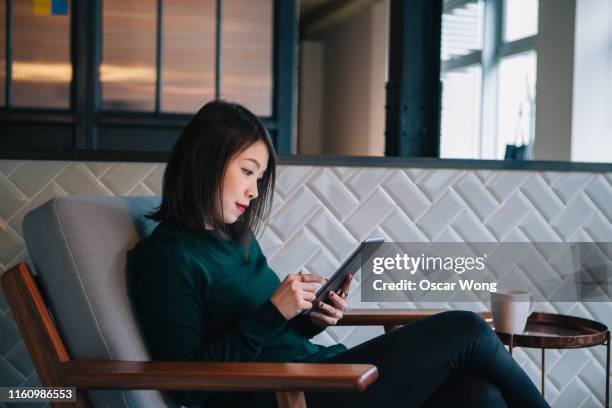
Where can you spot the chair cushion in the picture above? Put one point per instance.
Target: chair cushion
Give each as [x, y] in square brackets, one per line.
[78, 247]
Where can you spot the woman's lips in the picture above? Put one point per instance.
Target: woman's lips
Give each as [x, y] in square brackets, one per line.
[241, 208]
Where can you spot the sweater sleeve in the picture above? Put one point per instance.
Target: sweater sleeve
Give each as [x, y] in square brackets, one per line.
[300, 323]
[166, 292]
[303, 325]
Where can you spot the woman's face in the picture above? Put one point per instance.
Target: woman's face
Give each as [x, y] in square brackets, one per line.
[240, 182]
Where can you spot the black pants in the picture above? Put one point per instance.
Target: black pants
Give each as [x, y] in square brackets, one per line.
[452, 359]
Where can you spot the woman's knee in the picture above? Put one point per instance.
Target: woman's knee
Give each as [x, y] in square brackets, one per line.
[468, 323]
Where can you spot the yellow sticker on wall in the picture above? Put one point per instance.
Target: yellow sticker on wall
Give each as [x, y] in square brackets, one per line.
[42, 7]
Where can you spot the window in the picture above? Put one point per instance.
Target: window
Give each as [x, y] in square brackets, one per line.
[520, 19]
[188, 76]
[462, 41]
[128, 72]
[488, 73]
[516, 103]
[2, 54]
[126, 75]
[460, 112]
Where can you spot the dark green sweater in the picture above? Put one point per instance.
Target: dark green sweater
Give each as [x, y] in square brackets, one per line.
[199, 297]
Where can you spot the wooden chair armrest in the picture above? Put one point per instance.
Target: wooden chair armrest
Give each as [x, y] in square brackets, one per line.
[173, 375]
[390, 317]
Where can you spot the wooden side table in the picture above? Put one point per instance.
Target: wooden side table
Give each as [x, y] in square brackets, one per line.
[555, 331]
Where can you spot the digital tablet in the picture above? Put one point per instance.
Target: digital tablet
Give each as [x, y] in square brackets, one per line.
[348, 267]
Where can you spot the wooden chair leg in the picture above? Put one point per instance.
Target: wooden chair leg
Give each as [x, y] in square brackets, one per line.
[290, 399]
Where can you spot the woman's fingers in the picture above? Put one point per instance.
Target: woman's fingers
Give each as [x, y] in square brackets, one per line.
[310, 278]
[327, 320]
[332, 310]
[309, 296]
[346, 284]
[307, 287]
[338, 301]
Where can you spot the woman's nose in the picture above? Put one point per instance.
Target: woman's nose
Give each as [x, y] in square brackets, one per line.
[252, 192]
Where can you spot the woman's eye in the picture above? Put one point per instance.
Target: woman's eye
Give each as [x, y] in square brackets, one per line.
[247, 172]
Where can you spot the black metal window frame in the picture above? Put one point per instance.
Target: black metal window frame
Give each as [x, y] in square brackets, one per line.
[86, 131]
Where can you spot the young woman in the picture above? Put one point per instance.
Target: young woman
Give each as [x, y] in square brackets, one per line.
[203, 290]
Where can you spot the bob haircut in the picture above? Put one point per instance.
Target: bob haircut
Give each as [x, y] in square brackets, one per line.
[193, 179]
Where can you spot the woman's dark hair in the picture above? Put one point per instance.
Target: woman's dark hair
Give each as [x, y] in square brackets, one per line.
[193, 180]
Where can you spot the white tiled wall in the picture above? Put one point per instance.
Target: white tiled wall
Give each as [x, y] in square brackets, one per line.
[320, 213]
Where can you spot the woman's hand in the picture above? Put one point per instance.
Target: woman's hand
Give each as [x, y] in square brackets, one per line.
[295, 294]
[329, 314]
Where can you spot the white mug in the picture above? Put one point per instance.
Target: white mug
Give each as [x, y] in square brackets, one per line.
[510, 309]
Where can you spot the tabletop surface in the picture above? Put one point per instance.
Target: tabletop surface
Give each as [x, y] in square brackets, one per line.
[550, 330]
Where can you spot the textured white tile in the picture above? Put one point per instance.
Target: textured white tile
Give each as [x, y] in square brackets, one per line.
[542, 197]
[441, 214]
[505, 183]
[598, 228]
[484, 175]
[480, 200]
[10, 244]
[407, 195]
[269, 242]
[448, 235]
[509, 215]
[535, 227]
[295, 254]
[295, 212]
[570, 362]
[551, 177]
[415, 173]
[43, 196]
[570, 184]
[8, 166]
[590, 402]
[324, 338]
[277, 202]
[342, 172]
[540, 273]
[11, 199]
[292, 178]
[363, 334]
[341, 333]
[599, 311]
[329, 189]
[401, 229]
[33, 175]
[121, 178]
[471, 229]
[323, 264]
[77, 179]
[154, 180]
[594, 376]
[140, 190]
[97, 168]
[364, 181]
[369, 214]
[333, 234]
[573, 217]
[599, 191]
[436, 183]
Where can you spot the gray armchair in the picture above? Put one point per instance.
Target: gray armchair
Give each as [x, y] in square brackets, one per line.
[77, 322]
